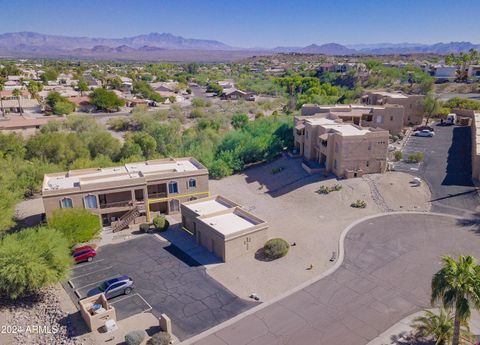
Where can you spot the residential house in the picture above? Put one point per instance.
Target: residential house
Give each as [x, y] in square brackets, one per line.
[444, 72]
[473, 72]
[23, 125]
[223, 227]
[22, 105]
[235, 94]
[344, 149]
[130, 193]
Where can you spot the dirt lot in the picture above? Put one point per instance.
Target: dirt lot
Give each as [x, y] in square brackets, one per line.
[288, 201]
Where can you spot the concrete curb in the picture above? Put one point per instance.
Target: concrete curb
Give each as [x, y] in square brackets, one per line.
[338, 263]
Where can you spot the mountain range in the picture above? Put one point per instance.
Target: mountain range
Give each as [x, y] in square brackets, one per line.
[165, 46]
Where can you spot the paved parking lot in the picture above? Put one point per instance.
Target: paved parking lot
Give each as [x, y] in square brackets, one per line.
[165, 280]
[385, 276]
[446, 168]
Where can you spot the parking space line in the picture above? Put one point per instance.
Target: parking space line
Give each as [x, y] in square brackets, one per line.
[87, 274]
[86, 264]
[135, 294]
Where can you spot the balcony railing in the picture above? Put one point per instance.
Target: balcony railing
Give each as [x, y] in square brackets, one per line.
[125, 203]
[157, 195]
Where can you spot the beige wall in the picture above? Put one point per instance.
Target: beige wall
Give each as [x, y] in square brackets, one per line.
[412, 104]
[116, 193]
[475, 131]
[245, 244]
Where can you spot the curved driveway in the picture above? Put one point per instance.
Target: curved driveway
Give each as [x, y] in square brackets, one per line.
[385, 276]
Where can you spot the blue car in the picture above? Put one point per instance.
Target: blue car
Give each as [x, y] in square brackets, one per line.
[114, 287]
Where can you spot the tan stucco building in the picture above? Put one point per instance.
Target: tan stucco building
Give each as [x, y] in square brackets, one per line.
[129, 193]
[389, 116]
[473, 117]
[345, 149]
[223, 227]
[411, 103]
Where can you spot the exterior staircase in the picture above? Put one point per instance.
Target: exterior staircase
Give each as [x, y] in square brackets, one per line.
[126, 219]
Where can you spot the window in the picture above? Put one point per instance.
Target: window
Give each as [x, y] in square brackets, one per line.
[90, 201]
[337, 147]
[369, 146]
[174, 205]
[367, 163]
[67, 203]
[391, 118]
[172, 187]
[379, 119]
[192, 183]
[306, 134]
[335, 164]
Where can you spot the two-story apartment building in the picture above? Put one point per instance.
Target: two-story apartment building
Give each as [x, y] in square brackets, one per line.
[345, 149]
[389, 116]
[413, 104]
[124, 194]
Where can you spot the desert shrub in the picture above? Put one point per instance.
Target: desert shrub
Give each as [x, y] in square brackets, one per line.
[398, 155]
[415, 157]
[276, 248]
[160, 223]
[358, 204]
[134, 337]
[326, 190]
[160, 338]
[76, 224]
[32, 259]
[144, 227]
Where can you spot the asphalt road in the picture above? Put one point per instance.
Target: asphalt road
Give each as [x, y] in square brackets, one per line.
[166, 281]
[447, 168]
[385, 276]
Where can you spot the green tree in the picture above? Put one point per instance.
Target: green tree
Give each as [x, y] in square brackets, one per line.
[102, 143]
[16, 93]
[146, 142]
[457, 286]
[239, 120]
[431, 106]
[215, 88]
[32, 259]
[82, 87]
[106, 100]
[34, 88]
[63, 108]
[77, 225]
[438, 327]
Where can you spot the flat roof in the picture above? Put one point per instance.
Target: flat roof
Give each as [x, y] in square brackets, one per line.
[208, 206]
[390, 94]
[77, 178]
[348, 129]
[228, 223]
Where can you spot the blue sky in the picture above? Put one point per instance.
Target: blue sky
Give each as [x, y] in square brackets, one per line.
[248, 23]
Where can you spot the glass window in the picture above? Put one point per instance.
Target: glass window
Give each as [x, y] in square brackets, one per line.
[192, 183]
[90, 201]
[67, 203]
[337, 147]
[369, 146]
[172, 187]
[174, 205]
[335, 164]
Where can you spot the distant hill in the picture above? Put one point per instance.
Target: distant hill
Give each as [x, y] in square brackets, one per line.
[32, 40]
[168, 47]
[327, 49]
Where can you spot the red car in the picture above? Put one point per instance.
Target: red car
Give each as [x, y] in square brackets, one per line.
[83, 254]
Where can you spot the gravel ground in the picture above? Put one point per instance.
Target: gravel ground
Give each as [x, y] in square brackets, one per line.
[39, 320]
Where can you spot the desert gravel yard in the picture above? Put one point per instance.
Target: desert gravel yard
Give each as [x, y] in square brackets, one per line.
[289, 202]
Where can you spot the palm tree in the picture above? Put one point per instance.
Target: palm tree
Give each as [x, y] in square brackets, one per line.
[457, 286]
[17, 94]
[438, 327]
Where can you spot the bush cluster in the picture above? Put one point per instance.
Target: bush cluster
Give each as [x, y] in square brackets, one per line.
[276, 248]
[326, 190]
[134, 337]
[358, 204]
[415, 157]
[160, 223]
[160, 338]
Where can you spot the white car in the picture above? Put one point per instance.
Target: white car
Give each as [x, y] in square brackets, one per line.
[424, 133]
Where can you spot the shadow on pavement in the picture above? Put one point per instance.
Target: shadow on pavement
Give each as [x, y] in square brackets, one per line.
[459, 163]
